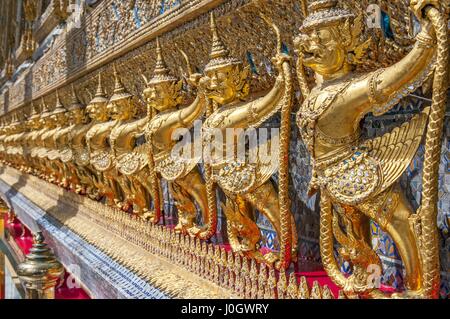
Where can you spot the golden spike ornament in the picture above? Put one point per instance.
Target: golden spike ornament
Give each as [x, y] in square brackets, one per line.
[326, 293]
[303, 289]
[253, 279]
[262, 280]
[292, 288]
[357, 178]
[282, 285]
[271, 285]
[316, 291]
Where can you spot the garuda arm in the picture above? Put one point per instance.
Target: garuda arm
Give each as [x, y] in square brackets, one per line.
[382, 89]
[254, 113]
[171, 121]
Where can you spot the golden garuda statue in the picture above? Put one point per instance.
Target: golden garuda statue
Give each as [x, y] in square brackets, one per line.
[32, 124]
[100, 157]
[6, 131]
[76, 155]
[357, 178]
[38, 142]
[186, 185]
[14, 147]
[63, 141]
[246, 181]
[35, 125]
[3, 132]
[10, 130]
[23, 151]
[60, 138]
[131, 161]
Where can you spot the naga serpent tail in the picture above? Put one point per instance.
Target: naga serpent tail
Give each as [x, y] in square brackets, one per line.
[429, 240]
[210, 194]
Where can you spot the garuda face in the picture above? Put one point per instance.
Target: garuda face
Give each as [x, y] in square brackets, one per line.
[226, 84]
[59, 119]
[323, 50]
[121, 110]
[97, 112]
[78, 116]
[163, 95]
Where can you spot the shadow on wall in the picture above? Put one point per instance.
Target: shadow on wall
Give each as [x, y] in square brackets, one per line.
[76, 42]
[15, 188]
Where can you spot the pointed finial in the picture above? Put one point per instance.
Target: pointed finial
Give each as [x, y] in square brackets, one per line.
[282, 285]
[120, 92]
[271, 284]
[272, 279]
[218, 48]
[253, 279]
[45, 110]
[118, 87]
[100, 90]
[262, 278]
[34, 111]
[39, 238]
[100, 96]
[59, 108]
[161, 72]
[74, 101]
[219, 56]
[237, 264]
[316, 291]
[40, 266]
[160, 67]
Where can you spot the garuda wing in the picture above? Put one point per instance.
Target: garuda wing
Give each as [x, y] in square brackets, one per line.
[394, 150]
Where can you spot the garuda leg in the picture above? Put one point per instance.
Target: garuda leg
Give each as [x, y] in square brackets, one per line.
[185, 207]
[243, 233]
[194, 186]
[265, 200]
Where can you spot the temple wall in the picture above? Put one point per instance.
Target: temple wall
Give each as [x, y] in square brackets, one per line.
[113, 33]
